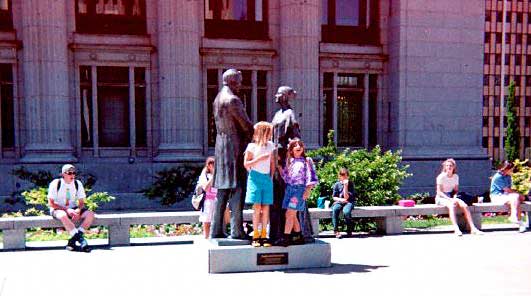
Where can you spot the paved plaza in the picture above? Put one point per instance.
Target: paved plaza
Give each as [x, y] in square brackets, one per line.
[497, 263]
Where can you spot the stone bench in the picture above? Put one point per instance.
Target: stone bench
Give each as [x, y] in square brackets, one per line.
[389, 220]
[14, 229]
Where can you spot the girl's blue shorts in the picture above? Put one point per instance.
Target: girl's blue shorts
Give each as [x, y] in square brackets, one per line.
[259, 189]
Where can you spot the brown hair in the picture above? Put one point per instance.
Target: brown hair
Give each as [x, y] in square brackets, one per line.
[208, 161]
[450, 160]
[291, 146]
[343, 172]
[263, 131]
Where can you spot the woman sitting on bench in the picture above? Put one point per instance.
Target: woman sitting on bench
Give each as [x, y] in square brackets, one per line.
[447, 188]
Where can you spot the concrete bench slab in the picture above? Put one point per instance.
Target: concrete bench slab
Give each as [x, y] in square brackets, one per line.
[159, 218]
[421, 210]
[374, 211]
[320, 213]
[488, 208]
[37, 221]
[388, 219]
[6, 223]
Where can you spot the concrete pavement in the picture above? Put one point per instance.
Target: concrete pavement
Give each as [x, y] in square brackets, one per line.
[497, 263]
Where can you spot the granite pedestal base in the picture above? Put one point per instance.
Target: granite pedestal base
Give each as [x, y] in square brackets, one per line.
[245, 258]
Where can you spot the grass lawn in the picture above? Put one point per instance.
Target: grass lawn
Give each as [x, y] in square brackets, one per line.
[136, 231]
[429, 222]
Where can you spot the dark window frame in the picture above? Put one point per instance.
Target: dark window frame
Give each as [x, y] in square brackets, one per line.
[108, 82]
[488, 16]
[6, 18]
[96, 23]
[7, 107]
[218, 28]
[361, 34]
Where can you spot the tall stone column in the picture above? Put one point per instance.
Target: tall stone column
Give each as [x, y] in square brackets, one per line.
[46, 108]
[180, 125]
[299, 61]
[435, 80]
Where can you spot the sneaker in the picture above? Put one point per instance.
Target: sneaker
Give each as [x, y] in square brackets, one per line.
[338, 235]
[266, 243]
[83, 244]
[255, 243]
[522, 227]
[477, 232]
[71, 245]
[458, 232]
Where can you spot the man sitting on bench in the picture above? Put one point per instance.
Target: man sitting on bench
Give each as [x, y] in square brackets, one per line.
[66, 198]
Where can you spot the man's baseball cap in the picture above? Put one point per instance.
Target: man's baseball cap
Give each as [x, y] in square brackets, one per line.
[68, 168]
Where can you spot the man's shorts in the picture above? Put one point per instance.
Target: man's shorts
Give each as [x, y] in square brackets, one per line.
[293, 198]
[53, 212]
[259, 189]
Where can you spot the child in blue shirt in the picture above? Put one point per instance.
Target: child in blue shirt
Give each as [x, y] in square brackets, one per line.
[502, 193]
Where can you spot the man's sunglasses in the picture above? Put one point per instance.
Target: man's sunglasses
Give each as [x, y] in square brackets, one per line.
[71, 173]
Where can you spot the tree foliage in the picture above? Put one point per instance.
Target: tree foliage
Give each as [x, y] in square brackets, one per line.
[173, 185]
[512, 140]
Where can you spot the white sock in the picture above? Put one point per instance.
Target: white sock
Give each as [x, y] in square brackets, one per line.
[73, 232]
[80, 229]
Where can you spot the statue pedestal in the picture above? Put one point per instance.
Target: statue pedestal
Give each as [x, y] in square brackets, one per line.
[245, 258]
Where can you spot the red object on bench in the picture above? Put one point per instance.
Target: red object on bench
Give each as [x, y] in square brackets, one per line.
[406, 203]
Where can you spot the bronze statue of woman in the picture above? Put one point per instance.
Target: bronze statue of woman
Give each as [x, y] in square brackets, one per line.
[285, 127]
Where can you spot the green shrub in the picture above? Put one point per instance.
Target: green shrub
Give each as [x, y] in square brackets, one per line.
[173, 185]
[377, 175]
[421, 198]
[522, 177]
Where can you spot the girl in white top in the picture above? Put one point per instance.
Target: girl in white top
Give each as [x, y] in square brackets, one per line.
[447, 188]
[259, 161]
[205, 184]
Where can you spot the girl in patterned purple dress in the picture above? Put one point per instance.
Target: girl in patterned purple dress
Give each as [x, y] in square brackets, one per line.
[300, 178]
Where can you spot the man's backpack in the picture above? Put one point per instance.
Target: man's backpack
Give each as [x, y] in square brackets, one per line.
[76, 184]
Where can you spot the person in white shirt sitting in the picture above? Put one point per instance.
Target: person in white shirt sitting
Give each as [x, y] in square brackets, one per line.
[447, 189]
[66, 198]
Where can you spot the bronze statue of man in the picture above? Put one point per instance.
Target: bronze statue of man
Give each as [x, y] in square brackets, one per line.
[234, 132]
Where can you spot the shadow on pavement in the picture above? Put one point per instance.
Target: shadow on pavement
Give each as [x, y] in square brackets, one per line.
[51, 248]
[337, 268]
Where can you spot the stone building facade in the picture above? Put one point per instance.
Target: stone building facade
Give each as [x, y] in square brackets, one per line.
[123, 88]
[516, 61]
